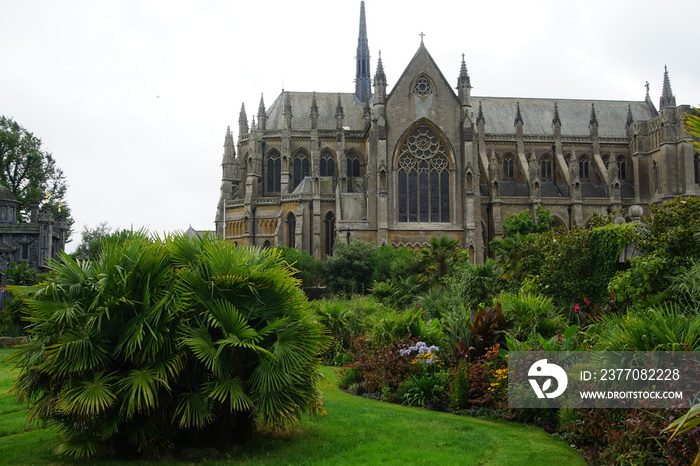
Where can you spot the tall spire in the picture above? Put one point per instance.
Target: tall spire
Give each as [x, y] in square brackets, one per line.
[229, 150]
[363, 83]
[262, 117]
[242, 121]
[667, 97]
[464, 84]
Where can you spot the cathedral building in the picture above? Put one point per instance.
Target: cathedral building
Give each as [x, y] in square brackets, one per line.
[399, 166]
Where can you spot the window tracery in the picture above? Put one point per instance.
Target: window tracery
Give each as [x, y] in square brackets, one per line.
[423, 178]
[422, 87]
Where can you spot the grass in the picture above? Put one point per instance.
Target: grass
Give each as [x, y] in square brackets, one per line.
[355, 431]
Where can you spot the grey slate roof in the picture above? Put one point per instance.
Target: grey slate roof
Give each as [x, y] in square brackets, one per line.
[326, 102]
[499, 115]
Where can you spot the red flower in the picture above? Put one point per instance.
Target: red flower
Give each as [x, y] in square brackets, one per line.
[585, 300]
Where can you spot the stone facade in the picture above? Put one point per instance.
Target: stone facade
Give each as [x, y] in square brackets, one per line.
[422, 160]
[34, 242]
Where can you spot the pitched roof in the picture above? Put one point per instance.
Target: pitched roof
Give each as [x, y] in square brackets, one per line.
[575, 115]
[326, 102]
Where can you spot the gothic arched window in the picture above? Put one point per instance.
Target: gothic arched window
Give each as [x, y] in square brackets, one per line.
[301, 168]
[273, 173]
[291, 229]
[423, 178]
[655, 175]
[621, 168]
[329, 224]
[327, 167]
[583, 168]
[353, 165]
[508, 167]
[696, 167]
[546, 171]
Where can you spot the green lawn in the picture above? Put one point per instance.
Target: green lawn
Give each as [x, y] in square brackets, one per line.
[355, 431]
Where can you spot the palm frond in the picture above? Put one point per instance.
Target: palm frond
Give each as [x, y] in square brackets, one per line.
[89, 398]
[193, 410]
[140, 390]
[230, 392]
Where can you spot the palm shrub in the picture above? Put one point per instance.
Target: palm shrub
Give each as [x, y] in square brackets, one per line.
[663, 328]
[158, 344]
[532, 312]
[391, 326]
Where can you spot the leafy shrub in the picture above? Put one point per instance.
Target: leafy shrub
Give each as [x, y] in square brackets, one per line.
[344, 325]
[381, 366]
[308, 269]
[437, 258]
[481, 383]
[160, 343]
[670, 230]
[664, 328]
[628, 436]
[472, 285]
[391, 325]
[391, 263]
[531, 312]
[487, 325]
[349, 270]
[635, 286]
[685, 287]
[20, 273]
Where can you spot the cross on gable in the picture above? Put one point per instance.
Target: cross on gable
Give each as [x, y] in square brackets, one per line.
[421, 37]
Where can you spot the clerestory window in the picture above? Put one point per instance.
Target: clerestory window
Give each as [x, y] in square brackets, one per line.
[273, 173]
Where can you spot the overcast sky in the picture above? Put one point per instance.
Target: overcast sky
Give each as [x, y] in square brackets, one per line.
[133, 97]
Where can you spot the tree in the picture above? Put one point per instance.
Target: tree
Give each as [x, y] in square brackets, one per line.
[93, 240]
[437, 258]
[30, 172]
[522, 222]
[350, 268]
[161, 344]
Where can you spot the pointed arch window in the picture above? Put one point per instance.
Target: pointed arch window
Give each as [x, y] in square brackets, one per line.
[621, 168]
[327, 167]
[583, 168]
[423, 178]
[508, 167]
[655, 175]
[696, 167]
[546, 168]
[291, 223]
[329, 233]
[353, 170]
[300, 167]
[273, 173]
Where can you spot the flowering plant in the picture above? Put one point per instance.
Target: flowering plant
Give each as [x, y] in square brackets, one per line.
[425, 354]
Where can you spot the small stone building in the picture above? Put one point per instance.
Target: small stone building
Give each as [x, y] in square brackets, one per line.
[399, 166]
[34, 242]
